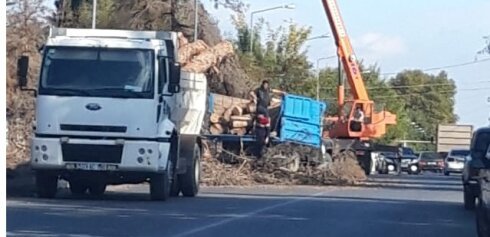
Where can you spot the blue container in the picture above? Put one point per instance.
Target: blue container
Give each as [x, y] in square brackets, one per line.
[301, 120]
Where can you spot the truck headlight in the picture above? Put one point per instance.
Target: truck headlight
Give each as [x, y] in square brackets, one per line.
[141, 151]
[44, 148]
[45, 157]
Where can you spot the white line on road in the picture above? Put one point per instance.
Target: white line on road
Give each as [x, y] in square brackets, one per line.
[247, 215]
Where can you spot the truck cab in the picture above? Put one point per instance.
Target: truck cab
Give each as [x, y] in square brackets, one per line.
[109, 110]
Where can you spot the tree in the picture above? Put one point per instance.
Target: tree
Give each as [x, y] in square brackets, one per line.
[429, 99]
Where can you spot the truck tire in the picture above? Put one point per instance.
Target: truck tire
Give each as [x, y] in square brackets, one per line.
[97, 188]
[77, 187]
[175, 187]
[189, 182]
[46, 184]
[469, 198]
[160, 187]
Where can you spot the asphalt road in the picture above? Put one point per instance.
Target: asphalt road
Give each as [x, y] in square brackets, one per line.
[425, 205]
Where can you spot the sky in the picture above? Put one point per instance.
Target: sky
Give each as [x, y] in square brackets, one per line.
[398, 35]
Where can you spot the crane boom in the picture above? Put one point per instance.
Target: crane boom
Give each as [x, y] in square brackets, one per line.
[345, 53]
[348, 123]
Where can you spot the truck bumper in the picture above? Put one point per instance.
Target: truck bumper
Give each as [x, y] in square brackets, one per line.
[98, 155]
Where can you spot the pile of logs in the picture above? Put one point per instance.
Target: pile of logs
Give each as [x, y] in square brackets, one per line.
[232, 115]
[199, 57]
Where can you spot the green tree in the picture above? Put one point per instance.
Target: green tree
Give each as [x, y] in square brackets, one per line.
[429, 100]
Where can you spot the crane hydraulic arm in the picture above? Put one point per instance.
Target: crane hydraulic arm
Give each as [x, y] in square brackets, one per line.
[345, 53]
[374, 124]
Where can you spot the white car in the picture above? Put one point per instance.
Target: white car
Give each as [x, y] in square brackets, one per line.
[455, 161]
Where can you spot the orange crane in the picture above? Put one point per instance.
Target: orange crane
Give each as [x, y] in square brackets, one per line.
[374, 124]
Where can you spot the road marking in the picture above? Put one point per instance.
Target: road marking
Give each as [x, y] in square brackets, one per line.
[248, 214]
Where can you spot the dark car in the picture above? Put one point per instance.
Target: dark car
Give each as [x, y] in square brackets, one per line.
[409, 162]
[431, 161]
[473, 164]
[388, 163]
[480, 150]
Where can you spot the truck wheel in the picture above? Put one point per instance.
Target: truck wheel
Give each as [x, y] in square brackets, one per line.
[469, 198]
[77, 187]
[97, 188]
[189, 182]
[175, 187]
[46, 185]
[446, 173]
[160, 187]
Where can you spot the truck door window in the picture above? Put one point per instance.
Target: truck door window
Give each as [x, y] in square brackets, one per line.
[162, 74]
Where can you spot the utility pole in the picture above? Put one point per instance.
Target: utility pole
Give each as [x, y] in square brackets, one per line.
[196, 18]
[94, 13]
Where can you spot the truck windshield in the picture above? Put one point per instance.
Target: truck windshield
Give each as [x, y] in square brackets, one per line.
[101, 72]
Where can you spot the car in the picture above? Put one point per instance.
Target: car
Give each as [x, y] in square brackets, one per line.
[409, 161]
[431, 161]
[455, 160]
[387, 163]
[473, 164]
[483, 208]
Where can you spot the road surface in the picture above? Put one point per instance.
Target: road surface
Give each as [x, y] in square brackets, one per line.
[426, 205]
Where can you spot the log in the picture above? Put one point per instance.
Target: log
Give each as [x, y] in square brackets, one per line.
[214, 118]
[251, 108]
[245, 117]
[227, 114]
[236, 110]
[190, 50]
[216, 129]
[239, 124]
[209, 58]
[238, 131]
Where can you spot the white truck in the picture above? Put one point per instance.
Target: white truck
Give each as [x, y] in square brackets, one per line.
[113, 107]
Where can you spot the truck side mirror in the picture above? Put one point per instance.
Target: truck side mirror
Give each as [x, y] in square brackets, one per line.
[174, 82]
[22, 70]
[488, 153]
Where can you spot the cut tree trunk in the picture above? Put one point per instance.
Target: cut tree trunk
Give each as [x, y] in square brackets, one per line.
[239, 124]
[214, 118]
[216, 129]
[238, 131]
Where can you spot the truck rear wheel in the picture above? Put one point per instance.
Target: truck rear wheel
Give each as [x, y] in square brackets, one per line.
[46, 184]
[189, 182]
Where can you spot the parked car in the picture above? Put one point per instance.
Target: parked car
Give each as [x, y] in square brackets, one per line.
[472, 166]
[454, 162]
[483, 208]
[429, 160]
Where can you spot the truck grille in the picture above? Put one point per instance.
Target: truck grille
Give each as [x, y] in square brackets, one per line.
[92, 128]
[92, 153]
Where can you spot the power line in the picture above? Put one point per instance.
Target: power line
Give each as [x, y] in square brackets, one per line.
[444, 67]
[412, 86]
[418, 93]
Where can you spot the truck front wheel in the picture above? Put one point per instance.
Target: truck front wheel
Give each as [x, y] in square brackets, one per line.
[189, 182]
[160, 186]
[97, 188]
[46, 184]
[78, 187]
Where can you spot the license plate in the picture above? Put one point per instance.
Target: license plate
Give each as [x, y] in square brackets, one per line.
[87, 166]
[431, 163]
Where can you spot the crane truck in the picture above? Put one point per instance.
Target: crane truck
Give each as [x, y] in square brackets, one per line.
[113, 107]
[341, 132]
